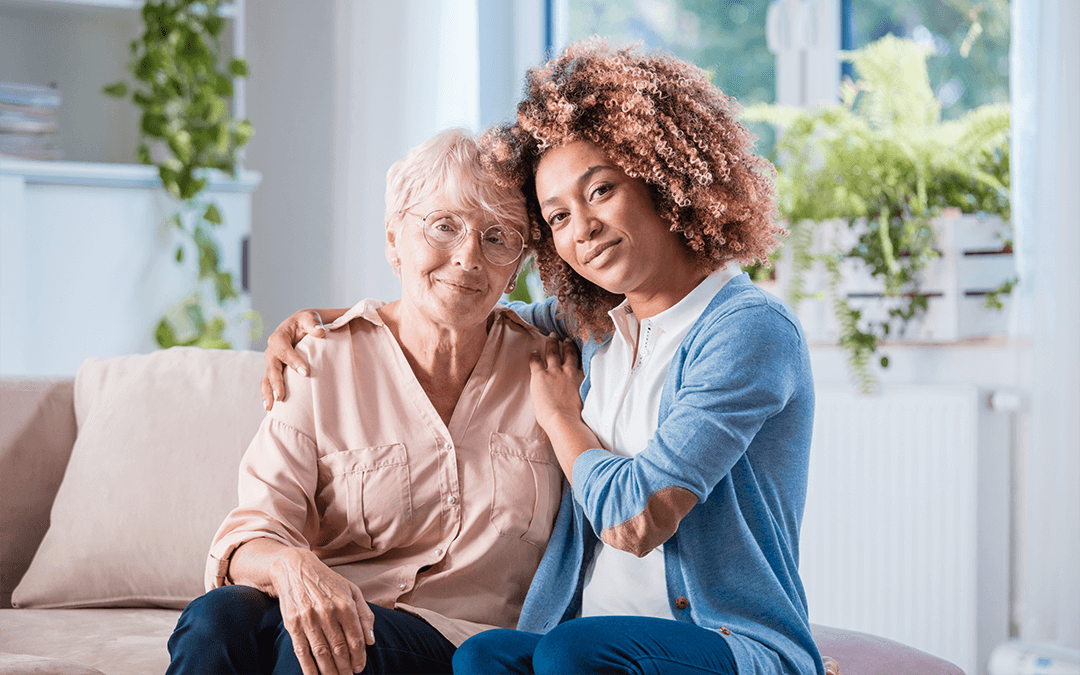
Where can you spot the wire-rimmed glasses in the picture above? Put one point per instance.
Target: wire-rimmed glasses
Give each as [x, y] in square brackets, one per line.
[445, 230]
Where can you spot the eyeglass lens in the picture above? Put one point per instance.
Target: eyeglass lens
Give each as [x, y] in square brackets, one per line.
[501, 245]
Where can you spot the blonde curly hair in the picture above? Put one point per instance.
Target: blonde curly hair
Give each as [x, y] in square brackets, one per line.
[660, 120]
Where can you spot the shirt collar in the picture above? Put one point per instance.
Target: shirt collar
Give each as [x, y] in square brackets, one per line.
[682, 314]
[366, 309]
[369, 310]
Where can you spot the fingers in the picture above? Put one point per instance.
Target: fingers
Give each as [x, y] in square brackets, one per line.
[329, 641]
[280, 353]
[267, 392]
[303, 653]
[366, 616]
[273, 382]
[311, 323]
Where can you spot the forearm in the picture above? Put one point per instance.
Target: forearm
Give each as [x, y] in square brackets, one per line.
[252, 563]
[570, 438]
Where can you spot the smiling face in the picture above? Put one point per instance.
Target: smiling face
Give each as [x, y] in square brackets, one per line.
[457, 288]
[605, 226]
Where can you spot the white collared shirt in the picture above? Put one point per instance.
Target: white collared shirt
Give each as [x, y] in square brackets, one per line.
[622, 408]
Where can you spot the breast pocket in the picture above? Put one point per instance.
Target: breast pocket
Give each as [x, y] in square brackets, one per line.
[371, 488]
[526, 487]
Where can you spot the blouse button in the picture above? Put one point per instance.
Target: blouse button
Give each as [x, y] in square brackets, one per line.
[438, 551]
[681, 603]
[452, 499]
[401, 587]
[448, 445]
[725, 631]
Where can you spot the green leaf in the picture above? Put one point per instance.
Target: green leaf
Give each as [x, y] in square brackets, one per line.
[180, 144]
[521, 288]
[212, 214]
[116, 89]
[208, 254]
[214, 24]
[223, 86]
[244, 131]
[153, 124]
[225, 289]
[239, 67]
[179, 254]
[164, 335]
[169, 179]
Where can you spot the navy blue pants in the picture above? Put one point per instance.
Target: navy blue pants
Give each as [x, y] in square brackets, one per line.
[599, 644]
[237, 629]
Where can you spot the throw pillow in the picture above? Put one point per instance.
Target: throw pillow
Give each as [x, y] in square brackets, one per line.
[152, 474]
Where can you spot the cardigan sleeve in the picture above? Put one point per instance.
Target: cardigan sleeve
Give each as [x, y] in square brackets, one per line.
[546, 315]
[740, 369]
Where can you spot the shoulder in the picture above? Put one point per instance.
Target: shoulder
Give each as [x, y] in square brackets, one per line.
[743, 311]
[363, 317]
[520, 336]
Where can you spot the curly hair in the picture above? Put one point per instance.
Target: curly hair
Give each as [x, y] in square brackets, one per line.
[660, 120]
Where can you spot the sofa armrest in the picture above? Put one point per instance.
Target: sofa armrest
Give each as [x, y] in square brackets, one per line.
[865, 654]
[37, 432]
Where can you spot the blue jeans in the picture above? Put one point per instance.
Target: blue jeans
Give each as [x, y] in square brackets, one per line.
[237, 629]
[599, 644]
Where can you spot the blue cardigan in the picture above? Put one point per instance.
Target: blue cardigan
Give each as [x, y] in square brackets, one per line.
[736, 415]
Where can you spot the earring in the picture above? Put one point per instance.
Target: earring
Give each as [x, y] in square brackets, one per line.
[510, 288]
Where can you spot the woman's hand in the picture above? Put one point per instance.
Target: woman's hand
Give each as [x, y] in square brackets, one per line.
[556, 398]
[326, 615]
[280, 353]
[556, 381]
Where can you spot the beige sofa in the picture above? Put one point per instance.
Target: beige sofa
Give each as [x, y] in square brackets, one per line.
[111, 487]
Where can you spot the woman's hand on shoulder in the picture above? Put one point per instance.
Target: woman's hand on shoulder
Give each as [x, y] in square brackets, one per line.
[556, 381]
[281, 353]
[326, 615]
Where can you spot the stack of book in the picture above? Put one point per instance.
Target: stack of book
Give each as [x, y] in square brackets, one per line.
[28, 121]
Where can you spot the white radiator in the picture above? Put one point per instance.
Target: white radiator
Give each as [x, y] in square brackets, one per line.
[889, 541]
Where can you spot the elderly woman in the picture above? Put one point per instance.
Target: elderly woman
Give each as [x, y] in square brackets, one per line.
[677, 549]
[400, 500]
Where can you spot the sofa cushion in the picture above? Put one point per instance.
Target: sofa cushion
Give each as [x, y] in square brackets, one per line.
[28, 664]
[152, 474]
[113, 641]
[37, 430]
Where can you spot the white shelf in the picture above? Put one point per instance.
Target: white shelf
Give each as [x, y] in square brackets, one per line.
[102, 174]
[227, 9]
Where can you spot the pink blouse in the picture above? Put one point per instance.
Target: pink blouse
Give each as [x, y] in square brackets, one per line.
[448, 523]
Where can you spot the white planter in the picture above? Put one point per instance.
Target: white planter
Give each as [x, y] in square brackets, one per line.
[973, 262]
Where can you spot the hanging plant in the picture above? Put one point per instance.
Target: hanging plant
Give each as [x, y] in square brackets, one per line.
[186, 128]
[884, 163]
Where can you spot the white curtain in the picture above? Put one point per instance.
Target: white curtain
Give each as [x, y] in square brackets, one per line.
[405, 70]
[1045, 86]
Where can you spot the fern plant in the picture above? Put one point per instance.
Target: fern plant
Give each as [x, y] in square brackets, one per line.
[883, 162]
[185, 129]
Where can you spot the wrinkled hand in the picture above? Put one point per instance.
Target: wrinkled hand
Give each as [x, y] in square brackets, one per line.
[280, 353]
[832, 667]
[556, 381]
[325, 614]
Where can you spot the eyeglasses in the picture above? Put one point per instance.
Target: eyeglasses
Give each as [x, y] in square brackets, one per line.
[445, 230]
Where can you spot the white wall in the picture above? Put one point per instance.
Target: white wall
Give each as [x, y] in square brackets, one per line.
[339, 90]
[290, 50]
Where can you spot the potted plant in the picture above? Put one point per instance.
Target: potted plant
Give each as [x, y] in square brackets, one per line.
[883, 165]
[186, 129]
